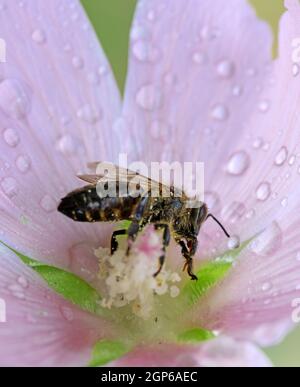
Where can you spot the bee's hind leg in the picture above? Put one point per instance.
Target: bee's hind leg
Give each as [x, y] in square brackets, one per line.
[114, 242]
[166, 242]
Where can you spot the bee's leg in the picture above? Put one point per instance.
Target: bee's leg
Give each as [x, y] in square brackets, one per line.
[134, 228]
[166, 242]
[114, 242]
[188, 260]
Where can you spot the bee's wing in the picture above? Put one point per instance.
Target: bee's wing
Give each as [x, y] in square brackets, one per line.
[126, 175]
[91, 179]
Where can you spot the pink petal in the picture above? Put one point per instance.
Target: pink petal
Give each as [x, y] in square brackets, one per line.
[222, 352]
[193, 75]
[258, 296]
[58, 101]
[41, 328]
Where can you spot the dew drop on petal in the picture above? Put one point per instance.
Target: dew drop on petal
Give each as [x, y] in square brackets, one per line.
[268, 241]
[238, 163]
[237, 91]
[144, 51]
[213, 201]
[48, 204]
[23, 282]
[77, 62]
[219, 112]
[39, 36]
[285, 202]
[67, 313]
[88, 114]
[11, 137]
[149, 97]
[9, 187]
[263, 191]
[199, 58]
[15, 100]
[258, 143]
[67, 145]
[266, 287]
[295, 70]
[281, 156]
[17, 291]
[23, 163]
[225, 69]
[264, 106]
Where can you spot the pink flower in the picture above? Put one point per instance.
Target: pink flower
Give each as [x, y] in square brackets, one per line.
[201, 87]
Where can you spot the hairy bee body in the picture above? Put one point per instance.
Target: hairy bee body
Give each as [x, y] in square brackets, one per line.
[171, 213]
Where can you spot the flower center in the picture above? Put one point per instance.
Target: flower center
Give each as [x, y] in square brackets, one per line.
[129, 280]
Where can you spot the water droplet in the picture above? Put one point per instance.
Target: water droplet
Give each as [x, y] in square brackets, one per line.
[250, 214]
[149, 97]
[39, 36]
[17, 291]
[233, 242]
[284, 202]
[258, 143]
[23, 282]
[14, 98]
[264, 106]
[77, 62]
[269, 241]
[298, 256]
[67, 313]
[263, 191]
[67, 145]
[9, 187]
[225, 69]
[144, 51]
[237, 91]
[11, 137]
[295, 70]
[292, 160]
[139, 32]
[281, 156]
[89, 114]
[266, 287]
[238, 163]
[48, 203]
[23, 163]
[219, 112]
[199, 58]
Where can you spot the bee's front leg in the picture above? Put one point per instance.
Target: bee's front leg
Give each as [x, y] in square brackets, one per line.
[189, 260]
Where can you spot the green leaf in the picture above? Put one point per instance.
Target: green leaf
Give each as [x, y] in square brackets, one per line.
[68, 285]
[210, 274]
[106, 351]
[195, 335]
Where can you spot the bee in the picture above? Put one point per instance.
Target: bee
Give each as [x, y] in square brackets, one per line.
[171, 213]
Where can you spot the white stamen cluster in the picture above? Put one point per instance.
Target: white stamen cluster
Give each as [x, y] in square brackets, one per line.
[130, 280]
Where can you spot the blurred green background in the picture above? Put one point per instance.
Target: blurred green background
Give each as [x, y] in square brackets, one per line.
[112, 20]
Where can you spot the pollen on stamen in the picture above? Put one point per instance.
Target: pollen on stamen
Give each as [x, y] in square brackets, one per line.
[129, 279]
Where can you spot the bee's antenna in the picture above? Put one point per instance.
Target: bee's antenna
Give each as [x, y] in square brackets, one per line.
[219, 223]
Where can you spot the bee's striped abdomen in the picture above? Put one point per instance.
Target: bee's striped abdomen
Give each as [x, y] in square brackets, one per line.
[84, 205]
